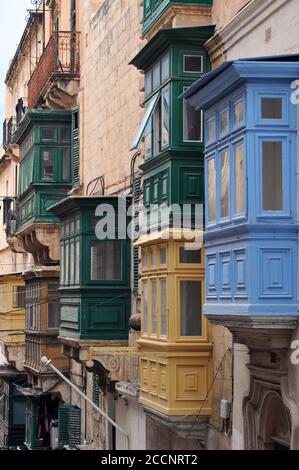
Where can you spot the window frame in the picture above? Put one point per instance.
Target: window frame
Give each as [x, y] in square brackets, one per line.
[189, 71]
[286, 177]
[283, 121]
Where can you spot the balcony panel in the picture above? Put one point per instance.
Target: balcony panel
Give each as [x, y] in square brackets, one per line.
[60, 59]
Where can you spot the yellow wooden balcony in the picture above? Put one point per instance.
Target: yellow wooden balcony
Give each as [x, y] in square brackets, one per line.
[175, 366]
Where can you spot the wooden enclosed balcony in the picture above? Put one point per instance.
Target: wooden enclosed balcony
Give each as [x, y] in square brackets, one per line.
[54, 82]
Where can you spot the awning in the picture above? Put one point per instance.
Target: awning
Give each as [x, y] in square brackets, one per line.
[29, 391]
[147, 115]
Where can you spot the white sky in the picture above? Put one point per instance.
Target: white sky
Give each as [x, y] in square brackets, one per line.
[12, 24]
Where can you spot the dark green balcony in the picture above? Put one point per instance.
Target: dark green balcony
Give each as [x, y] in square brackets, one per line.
[154, 9]
[95, 270]
[44, 138]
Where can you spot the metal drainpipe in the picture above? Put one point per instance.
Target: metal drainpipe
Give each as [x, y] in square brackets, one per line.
[45, 362]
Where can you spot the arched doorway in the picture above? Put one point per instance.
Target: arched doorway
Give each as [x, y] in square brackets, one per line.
[274, 424]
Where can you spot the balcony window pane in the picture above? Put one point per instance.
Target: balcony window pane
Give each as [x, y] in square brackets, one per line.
[106, 260]
[190, 308]
[144, 258]
[47, 164]
[148, 87]
[239, 178]
[148, 135]
[53, 314]
[77, 271]
[154, 257]
[72, 263]
[156, 76]
[190, 256]
[163, 307]
[65, 134]
[66, 269]
[224, 122]
[271, 108]
[163, 255]
[238, 112]
[145, 307]
[193, 63]
[154, 308]
[211, 190]
[192, 123]
[211, 130]
[165, 117]
[48, 134]
[62, 264]
[225, 184]
[272, 176]
[165, 67]
[66, 170]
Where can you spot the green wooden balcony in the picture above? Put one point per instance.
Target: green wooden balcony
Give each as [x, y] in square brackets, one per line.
[154, 9]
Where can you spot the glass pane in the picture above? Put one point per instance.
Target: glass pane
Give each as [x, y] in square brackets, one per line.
[48, 134]
[155, 189]
[163, 255]
[77, 271]
[148, 83]
[65, 134]
[224, 122]
[156, 75]
[154, 308]
[190, 256]
[165, 67]
[271, 108]
[272, 176]
[157, 128]
[163, 307]
[238, 112]
[211, 190]
[144, 258]
[192, 123]
[148, 133]
[65, 164]
[225, 184]
[165, 117]
[53, 314]
[19, 412]
[72, 263]
[154, 257]
[193, 64]
[106, 260]
[66, 269]
[190, 297]
[145, 307]
[47, 165]
[211, 130]
[239, 178]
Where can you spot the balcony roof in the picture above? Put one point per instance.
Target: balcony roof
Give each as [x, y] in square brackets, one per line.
[73, 204]
[164, 38]
[207, 90]
[33, 16]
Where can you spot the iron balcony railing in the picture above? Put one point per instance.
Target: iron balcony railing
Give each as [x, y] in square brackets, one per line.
[61, 57]
[9, 127]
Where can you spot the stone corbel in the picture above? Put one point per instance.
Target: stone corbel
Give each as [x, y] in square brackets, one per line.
[116, 365]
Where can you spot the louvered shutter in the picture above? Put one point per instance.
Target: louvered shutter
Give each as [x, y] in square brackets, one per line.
[137, 193]
[95, 390]
[69, 425]
[76, 148]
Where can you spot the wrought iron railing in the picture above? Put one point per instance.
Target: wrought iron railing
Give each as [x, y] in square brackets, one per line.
[13, 220]
[61, 57]
[9, 127]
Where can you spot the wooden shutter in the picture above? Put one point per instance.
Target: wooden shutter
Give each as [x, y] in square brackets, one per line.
[69, 425]
[76, 148]
[95, 390]
[137, 193]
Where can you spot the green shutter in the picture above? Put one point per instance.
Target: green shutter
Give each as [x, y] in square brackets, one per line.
[76, 148]
[69, 425]
[137, 193]
[95, 390]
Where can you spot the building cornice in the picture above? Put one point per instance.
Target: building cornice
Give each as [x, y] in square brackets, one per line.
[250, 16]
